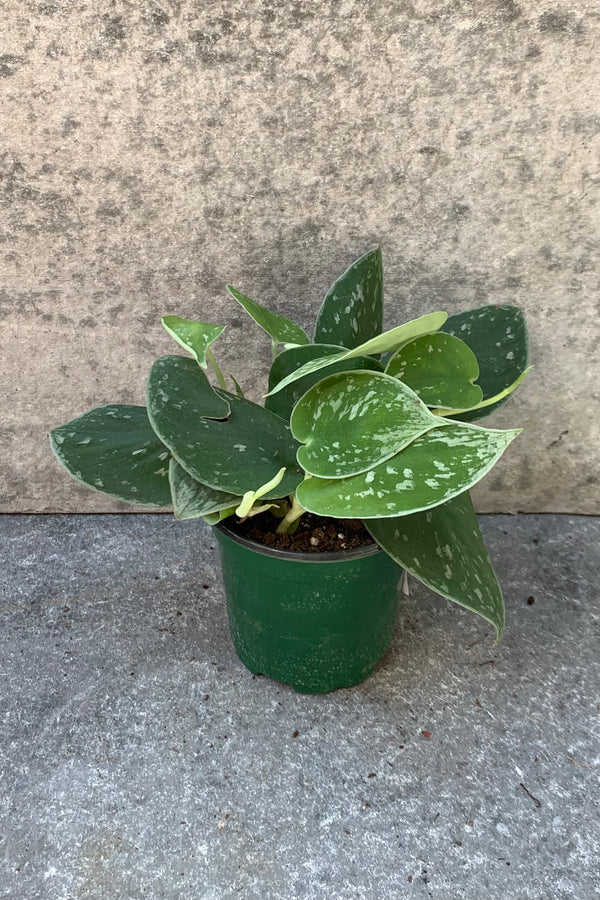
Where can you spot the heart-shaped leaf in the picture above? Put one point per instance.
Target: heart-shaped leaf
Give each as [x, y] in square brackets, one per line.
[443, 547]
[195, 337]
[497, 335]
[192, 499]
[113, 449]
[280, 329]
[235, 454]
[352, 311]
[291, 360]
[351, 421]
[389, 340]
[441, 369]
[437, 466]
[490, 402]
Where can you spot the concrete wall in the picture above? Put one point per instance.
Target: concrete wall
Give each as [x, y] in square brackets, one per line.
[152, 151]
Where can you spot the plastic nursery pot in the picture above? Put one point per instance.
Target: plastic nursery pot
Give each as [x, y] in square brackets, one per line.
[315, 621]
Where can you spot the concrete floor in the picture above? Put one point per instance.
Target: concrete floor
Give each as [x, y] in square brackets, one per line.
[139, 759]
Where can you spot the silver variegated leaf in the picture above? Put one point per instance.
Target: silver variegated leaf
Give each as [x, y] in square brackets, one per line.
[443, 547]
[437, 466]
[389, 340]
[195, 337]
[352, 311]
[114, 450]
[497, 335]
[289, 361]
[226, 442]
[351, 421]
[192, 499]
[441, 369]
[280, 329]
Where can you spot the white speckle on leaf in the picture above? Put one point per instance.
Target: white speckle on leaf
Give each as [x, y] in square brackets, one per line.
[368, 493]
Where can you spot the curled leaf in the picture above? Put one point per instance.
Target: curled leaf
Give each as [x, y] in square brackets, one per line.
[195, 337]
[281, 329]
[389, 340]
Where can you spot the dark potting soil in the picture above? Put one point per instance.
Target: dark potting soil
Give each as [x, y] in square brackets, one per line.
[315, 534]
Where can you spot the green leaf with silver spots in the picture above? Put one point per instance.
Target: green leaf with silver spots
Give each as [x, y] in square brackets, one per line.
[441, 369]
[195, 337]
[113, 449]
[497, 335]
[192, 499]
[437, 466]
[279, 328]
[389, 340]
[443, 547]
[289, 361]
[226, 442]
[352, 311]
[351, 421]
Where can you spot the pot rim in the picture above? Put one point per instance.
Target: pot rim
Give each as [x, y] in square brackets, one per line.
[329, 556]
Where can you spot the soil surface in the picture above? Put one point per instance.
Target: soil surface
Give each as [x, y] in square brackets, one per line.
[315, 534]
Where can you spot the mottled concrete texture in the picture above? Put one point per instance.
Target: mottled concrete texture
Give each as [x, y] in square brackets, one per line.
[139, 758]
[153, 151]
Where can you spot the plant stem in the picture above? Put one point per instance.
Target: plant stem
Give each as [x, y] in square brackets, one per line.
[216, 369]
[293, 514]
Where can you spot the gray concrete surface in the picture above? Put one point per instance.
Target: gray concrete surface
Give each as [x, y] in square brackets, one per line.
[141, 760]
[153, 151]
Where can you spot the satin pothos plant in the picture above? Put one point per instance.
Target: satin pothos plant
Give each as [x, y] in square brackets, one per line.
[357, 423]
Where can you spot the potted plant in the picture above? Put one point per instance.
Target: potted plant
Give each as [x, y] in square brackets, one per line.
[360, 428]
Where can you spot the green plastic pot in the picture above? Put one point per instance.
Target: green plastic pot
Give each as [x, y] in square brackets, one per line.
[315, 621]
